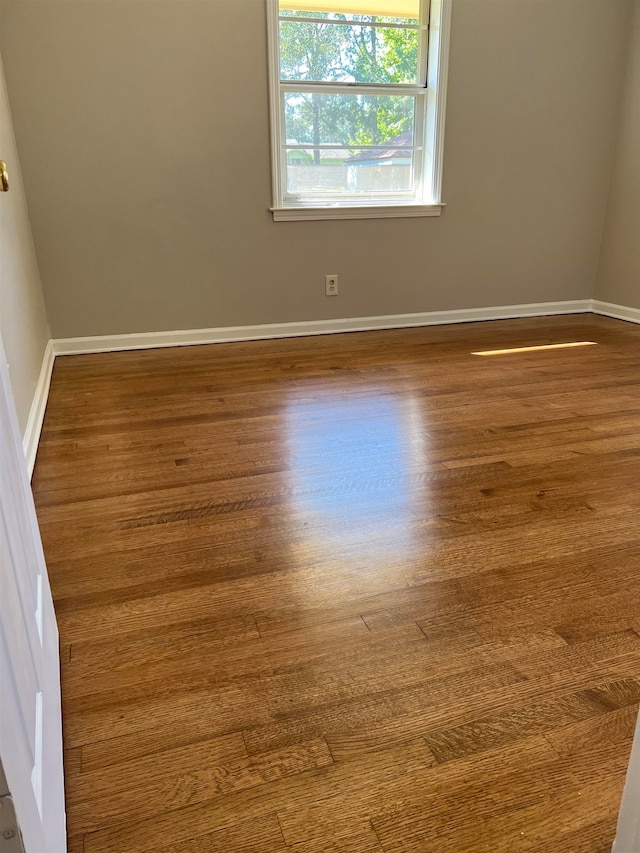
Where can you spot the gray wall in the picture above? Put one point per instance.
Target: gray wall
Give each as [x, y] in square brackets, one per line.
[619, 270]
[143, 131]
[23, 324]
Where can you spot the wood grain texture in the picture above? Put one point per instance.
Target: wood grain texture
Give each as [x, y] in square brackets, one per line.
[349, 594]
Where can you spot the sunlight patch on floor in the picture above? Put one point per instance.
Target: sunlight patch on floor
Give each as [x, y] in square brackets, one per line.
[536, 349]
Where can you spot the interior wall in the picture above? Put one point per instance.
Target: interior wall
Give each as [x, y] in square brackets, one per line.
[143, 132]
[23, 322]
[619, 269]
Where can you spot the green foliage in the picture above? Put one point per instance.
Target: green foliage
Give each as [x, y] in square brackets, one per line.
[347, 53]
[400, 60]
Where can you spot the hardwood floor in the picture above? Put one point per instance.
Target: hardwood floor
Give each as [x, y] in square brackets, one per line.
[346, 594]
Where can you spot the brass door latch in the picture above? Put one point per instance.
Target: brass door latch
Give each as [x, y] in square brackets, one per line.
[4, 177]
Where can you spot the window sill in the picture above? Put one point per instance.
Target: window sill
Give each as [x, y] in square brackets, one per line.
[389, 211]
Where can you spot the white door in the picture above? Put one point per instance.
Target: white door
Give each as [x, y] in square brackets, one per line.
[30, 714]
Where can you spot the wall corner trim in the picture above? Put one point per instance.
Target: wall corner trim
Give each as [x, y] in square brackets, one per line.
[618, 312]
[35, 420]
[227, 334]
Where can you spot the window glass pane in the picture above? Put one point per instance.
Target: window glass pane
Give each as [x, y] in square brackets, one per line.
[342, 171]
[347, 53]
[352, 121]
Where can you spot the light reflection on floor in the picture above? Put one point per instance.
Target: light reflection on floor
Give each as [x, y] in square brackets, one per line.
[354, 465]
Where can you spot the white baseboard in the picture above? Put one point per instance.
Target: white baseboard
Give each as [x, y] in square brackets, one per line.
[618, 312]
[38, 406]
[148, 340]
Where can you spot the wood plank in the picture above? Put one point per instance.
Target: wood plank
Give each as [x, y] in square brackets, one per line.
[262, 835]
[405, 799]
[75, 844]
[120, 750]
[189, 775]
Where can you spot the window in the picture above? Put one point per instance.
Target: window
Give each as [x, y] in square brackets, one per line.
[357, 107]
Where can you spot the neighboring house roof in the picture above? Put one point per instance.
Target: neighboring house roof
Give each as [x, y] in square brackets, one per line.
[381, 154]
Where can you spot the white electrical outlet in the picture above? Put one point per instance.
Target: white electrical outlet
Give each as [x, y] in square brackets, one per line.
[331, 285]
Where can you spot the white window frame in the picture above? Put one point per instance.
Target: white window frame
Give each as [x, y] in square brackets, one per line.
[427, 201]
